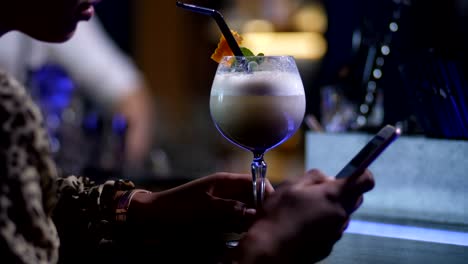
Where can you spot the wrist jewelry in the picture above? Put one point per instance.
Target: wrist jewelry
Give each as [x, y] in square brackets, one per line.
[124, 203]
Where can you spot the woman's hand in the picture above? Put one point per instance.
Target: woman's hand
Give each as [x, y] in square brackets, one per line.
[303, 219]
[203, 208]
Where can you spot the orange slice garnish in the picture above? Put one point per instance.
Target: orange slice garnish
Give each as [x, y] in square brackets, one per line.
[223, 48]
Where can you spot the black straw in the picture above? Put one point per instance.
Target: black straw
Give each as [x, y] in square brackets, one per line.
[216, 15]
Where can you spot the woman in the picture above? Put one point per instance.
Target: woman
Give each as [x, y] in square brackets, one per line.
[31, 194]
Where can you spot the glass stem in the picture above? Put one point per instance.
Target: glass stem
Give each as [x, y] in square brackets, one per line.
[259, 168]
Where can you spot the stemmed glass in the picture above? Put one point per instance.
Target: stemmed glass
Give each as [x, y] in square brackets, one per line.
[257, 103]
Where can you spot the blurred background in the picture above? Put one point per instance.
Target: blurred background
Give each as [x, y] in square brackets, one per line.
[363, 63]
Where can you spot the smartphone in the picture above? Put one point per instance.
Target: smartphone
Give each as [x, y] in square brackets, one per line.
[370, 152]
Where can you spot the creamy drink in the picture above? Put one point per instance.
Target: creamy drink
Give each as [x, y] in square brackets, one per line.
[257, 110]
[257, 102]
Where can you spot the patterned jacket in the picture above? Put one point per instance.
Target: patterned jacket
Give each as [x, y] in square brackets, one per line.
[36, 205]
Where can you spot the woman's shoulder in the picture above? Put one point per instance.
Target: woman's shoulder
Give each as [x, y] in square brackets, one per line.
[23, 137]
[10, 86]
[17, 109]
[27, 175]
[14, 99]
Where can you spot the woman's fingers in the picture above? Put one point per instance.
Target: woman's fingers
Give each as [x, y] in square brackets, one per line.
[236, 187]
[345, 226]
[314, 176]
[311, 177]
[231, 214]
[365, 182]
[358, 204]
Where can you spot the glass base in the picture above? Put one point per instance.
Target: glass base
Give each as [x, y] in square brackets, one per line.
[232, 244]
[232, 239]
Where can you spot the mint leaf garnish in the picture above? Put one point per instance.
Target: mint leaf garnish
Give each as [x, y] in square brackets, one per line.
[247, 52]
[251, 61]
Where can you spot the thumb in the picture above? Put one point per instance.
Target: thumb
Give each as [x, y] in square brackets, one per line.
[356, 186]
[353, 188]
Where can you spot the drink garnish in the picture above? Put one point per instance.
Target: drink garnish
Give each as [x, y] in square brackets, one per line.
[223, 49]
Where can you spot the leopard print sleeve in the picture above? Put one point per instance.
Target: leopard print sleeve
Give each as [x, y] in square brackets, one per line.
[84, 216]
[34, 202]
[27, 180]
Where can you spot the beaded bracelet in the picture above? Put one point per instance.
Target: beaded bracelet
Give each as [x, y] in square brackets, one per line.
[124, 203]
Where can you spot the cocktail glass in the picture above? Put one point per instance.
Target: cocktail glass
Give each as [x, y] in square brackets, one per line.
[257, 103]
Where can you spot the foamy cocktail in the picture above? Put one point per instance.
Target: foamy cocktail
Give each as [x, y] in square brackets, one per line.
[257, 103]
